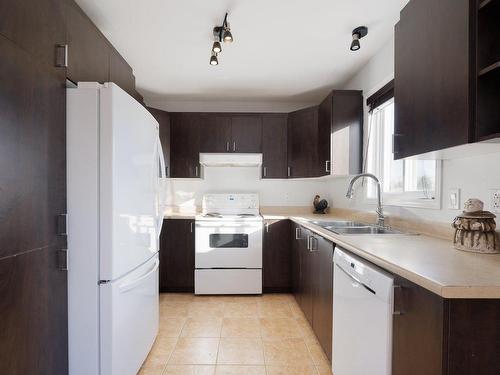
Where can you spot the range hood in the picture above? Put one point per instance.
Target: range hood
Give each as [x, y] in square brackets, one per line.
[230, 160]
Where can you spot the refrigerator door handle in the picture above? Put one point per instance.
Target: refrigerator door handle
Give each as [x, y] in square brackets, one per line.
[131, 284]
[161, 201]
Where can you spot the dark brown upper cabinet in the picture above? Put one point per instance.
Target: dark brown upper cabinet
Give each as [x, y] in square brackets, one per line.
[274, 145]
[163, 118]
[303, 143]
[439, 100]
[215, 133]
[185, 145]
[276, 257]
[88, 49]
[246, 133]
[120, 72]
[36, 26]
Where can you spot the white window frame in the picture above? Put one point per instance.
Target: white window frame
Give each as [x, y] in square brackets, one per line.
[404, 199]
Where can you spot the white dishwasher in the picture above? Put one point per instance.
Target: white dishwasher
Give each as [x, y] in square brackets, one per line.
[362, 317]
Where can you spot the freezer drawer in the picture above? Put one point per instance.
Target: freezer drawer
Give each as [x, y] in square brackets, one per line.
[129, 319]
[228, 281]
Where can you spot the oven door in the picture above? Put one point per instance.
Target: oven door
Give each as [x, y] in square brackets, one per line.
[228, 245]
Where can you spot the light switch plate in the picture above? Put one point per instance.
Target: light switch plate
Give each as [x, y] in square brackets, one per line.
[495, 200]
[454, 199]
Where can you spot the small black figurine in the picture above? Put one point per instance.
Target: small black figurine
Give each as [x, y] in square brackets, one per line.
[320, 206]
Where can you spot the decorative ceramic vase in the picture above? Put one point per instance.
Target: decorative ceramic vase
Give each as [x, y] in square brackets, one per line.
[475, 230]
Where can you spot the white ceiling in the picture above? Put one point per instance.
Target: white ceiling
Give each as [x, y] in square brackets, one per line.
[284, 50]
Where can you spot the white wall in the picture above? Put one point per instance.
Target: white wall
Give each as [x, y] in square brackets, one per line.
[475, 176]
[187, 193]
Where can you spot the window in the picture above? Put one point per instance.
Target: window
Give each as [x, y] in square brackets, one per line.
[413, 183]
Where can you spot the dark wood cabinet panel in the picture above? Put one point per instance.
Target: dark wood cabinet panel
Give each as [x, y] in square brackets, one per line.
[433, 75]
[325, 114]
[307, 263]
[34, 314]
[32, 151]
[246, 133]
[120, 72]
[88, 49]
[185, 145]
[215, 133]
[302, 143]
[163, 118]
[177, 256]
[277, 266]
[274, 146]
[296, 243]
[36, 26]
[323, 293]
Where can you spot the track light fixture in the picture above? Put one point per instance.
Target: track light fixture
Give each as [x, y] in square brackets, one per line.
[221, 34]
[357, 34]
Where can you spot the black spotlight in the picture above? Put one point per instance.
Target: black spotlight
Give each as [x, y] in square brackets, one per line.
[357, 34]
[213, 59]
[227, 37]
[217, 47]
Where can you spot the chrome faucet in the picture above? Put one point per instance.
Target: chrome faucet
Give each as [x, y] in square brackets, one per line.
[380, 212]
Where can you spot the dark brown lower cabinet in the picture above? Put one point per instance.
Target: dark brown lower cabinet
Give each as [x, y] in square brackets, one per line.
[277, 267]
[177, 256]
[436, 336]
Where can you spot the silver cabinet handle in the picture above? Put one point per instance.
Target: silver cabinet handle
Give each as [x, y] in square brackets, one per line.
[267, 227]
[196, 171]
[289, 171]
[298, 234]
[234, 146]
[265, 171]
[62, 56]
[327, 166]
[227, 146]
[191, 226]
[309, 243]
[314, 244]
[166, 171]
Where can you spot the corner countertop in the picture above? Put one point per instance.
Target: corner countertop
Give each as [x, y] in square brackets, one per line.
[425, 260]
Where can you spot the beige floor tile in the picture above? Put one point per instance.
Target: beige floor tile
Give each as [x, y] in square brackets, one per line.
[296, 311]
[203, 309]
[286, 352]
[305, 329]
[189, 370]
[174, 309]
[271, 309]
[317, 354]
[281, 327]
[240, 351]
[195, 351]
[240, 370]
[176, 297]
[151, 370]
[171, 327]
[241, 309]
[241, 327]
[161, 351]
[322, 370]
[202, 327]
[278, 297]
[239, 298]
[291, 370]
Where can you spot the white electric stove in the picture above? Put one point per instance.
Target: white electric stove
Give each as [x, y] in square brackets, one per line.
[228, 245]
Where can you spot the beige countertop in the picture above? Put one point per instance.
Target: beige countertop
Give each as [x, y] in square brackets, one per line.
[426, 260]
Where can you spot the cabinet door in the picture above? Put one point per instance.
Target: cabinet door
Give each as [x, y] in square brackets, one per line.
[163, 119]
[274, 146]
[277, 258]
[295, 241]
[177, 256]
[215, 133]
[323, 293]
[302, 142]
[432, 93]
[185, 145]
[418, 344]
[246, 133]
[36, 26]
[88, 53]
[324, 136]
[307, 276]
[120, 72]
[33, 185]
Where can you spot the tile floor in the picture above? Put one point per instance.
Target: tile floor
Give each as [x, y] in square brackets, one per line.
[234, 335]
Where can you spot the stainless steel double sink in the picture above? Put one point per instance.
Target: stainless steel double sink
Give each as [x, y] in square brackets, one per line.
[353, 227]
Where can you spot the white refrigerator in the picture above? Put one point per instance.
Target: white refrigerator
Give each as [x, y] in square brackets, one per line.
[115, 212]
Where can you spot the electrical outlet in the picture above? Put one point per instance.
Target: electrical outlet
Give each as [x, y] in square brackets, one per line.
[495, 200]
[454, 199]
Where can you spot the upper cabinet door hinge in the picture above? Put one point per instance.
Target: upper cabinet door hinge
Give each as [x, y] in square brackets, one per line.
[62, 55]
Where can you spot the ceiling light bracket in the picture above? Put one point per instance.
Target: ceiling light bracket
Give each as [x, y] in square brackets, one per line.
[361, 31]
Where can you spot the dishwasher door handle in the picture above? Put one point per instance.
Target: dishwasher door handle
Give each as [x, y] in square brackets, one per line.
[357, 281]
